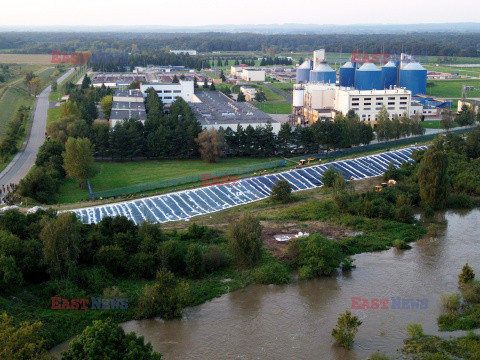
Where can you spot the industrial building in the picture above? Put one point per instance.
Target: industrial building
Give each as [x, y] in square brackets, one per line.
[185, 52]
[213, 109]
[246, 73]
[249, 92]
[116, 80]
[127, 104]
[169, 92]
[312, 102]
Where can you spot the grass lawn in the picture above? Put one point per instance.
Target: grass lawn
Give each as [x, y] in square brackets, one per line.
[275, 108]
[53, 114]
[287, 87]
[452, 88]
[112, 175]
[9, 104]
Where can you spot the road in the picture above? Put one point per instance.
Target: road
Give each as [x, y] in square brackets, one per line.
[25, 159]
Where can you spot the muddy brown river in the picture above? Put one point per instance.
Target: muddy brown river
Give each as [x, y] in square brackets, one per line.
[294, 321]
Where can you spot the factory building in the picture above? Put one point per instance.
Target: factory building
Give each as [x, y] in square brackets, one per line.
[169, 92]
[249, 74]
[127, 104]
[312, 102]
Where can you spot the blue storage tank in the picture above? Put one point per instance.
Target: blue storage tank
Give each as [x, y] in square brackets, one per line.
[389, 75]
[368, 77]
[303, 72]
[413, 76]
[323, 73]
[347, 75]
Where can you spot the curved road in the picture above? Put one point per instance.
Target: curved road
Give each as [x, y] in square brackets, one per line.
[25, 159]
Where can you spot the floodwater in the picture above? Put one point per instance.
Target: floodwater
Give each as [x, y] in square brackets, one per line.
[295, 321]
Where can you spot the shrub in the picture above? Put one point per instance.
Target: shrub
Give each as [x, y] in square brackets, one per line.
[347, 264]
[461, 201]
[328, 177]
[281, 192]
[392, 172]
[127, 241]
[245, 240]
[194, 262]
[274, 273]
[62, 288]
[112, 257]
[214, 259]
[466, 275]
[451, 302]
[317, 256]
[346, 329]
[113, 293]
[10, 275]
[94, 279]
[143, 266]
[165, 298]
[415, 331]
[173, 256]
[471, 292]
[401, 244]
[378, 356]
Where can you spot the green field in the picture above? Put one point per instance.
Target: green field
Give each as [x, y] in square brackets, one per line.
[287, 87]
[275, 108]
[53, 114]
[452, 88]
[112, 175]
[10, 102]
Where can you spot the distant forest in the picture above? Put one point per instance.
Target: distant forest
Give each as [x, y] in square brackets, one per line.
[435, 44]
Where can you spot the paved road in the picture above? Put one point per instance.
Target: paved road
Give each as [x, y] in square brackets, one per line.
[25, 159]
[288, 97]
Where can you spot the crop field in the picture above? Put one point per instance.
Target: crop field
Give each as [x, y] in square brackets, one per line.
[10, 102]
[32, 59]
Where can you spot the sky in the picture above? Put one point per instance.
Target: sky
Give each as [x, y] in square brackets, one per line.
[219, 12]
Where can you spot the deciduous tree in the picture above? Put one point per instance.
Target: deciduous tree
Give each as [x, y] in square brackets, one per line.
[78, 159]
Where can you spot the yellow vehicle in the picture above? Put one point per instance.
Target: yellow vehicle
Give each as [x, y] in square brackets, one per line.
[310, 159]
[378, 188]
[302, 162]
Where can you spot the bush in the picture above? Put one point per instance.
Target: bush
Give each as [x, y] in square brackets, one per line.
[62, 288]
[317, 256]
[10, 275]
[328, 177]
[378, 356]
[214, 259]
[165, 298]
[471, 292]
[173, 256]
[347, 264]
[451, 302]
[466, 275]
[194, 262]
[94, 279]
[346, 329]
[281, 192]
[143, 266]
[461, 201]
[127, 241]
[392, 172]
[401, 244]
[274, 273]
[113, 293]
[112, 257]
[415, 331]
[245, 240]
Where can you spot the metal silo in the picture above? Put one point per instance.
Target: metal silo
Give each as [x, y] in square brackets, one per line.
[413, 76]
[323, 73]
[347, 75]
[303, 71]
[298, 95]
[389, 75]
[368, 77]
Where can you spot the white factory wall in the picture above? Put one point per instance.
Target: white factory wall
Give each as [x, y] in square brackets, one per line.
[169, 92]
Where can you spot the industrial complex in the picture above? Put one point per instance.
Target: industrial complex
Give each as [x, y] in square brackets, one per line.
[399, 85]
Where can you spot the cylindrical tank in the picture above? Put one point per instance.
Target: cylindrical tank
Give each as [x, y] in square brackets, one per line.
[368, 77]
[347, 75]
[389, 75]
[413, 76]
[303, 72]
[323, 73]
[298, 94]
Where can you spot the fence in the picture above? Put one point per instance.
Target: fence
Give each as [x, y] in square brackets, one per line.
[184, 180]
[270, 165]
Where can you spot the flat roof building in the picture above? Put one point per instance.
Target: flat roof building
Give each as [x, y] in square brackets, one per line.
[249, 74]
[127, 104]
[169, 92]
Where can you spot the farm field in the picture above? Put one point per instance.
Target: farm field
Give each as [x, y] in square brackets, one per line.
[111, 175]
[32, 59]
[451, 88]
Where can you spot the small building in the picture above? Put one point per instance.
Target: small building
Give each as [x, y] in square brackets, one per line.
[236, 70]
[249, 74]
[249, 92]
[169, 92]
